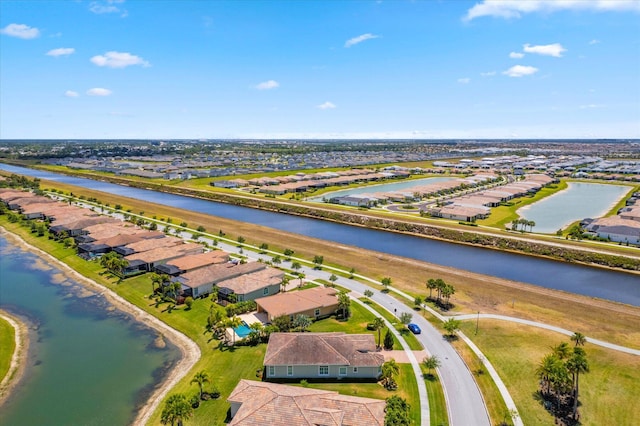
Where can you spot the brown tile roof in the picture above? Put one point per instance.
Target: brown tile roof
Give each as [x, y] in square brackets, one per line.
[106, 230]
[195, 261]
[358, 350]
[295, 302]
[272, 404]
[12, 195]
[216, 273]
[162, 253]
[253, 281]
[149, 244]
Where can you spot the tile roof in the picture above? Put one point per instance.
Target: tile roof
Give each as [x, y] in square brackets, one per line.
[253, 281]
[271, 404]
[294, 302]
[358, 350]
[168, 252]
[194, 261]
[216, 273]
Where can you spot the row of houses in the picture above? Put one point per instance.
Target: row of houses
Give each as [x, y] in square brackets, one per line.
[621, 228]
[477, 205]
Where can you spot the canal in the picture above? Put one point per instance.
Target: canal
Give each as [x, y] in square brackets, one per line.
[589, 281]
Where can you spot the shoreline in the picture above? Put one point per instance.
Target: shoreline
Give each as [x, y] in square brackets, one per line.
[18, 363]
[190, 352]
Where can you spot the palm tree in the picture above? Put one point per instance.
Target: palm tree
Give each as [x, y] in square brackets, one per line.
[301, 322]
[302, 277]
[451, 326]
[431, 362]
[514, 224]
[576, 365]
[386, 282]
[176, 409]
[378, 324]
[546, 369]
[562, 351]
[431, 285]
[200, 378]
[579, 339]
[232, 323]
[344, 303]
[389, 370]
[531, 225]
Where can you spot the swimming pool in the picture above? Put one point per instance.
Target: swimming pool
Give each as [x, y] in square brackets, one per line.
[242, 330]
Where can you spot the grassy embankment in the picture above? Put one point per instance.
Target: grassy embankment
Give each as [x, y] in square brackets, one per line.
[226, 366]
[8, 345]
[608, 392]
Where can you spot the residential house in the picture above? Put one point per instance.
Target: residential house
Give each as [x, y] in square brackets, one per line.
[316, 302]
[256, 403]
[200, 282]
[146, 261]
[322, 356]
[191, 262]
[251, 286]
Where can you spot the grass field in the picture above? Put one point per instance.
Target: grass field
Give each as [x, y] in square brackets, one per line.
[8, 345]
[608, 393]
[437, 405]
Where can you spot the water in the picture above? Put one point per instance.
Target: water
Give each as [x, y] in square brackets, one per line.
[242, 330]
[589, 281]
[386, 187]
[87, 364]
[580, 200]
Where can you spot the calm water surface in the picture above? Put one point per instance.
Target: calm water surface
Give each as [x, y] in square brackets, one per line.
[88, 364]
[385, 187]
[589, 281]
[580, 200]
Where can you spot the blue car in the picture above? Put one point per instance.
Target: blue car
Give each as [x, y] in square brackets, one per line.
[414, 328]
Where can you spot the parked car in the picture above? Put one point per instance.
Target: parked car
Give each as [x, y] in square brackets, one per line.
[414, 328]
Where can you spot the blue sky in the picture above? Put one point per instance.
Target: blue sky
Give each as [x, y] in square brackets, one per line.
[320, 69]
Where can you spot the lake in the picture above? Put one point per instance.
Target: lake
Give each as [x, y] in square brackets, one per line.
[580, 200]
[88, 364]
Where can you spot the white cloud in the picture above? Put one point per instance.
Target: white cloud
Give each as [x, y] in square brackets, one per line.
[488, 74]
[268, 85]
[465, 80]
[591, 106]
[326, 105]
[520, 71]
[108, 6]
[99, 91]
[594, 41]
[554, 49]
[118, 60]
[21, 31]
[516, 55]
[359, 39]
[62, 51]
[509, 9]
[71, 94]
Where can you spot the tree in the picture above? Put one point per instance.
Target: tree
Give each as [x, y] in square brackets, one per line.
[333, 278]
[579, 339]
[285, 282]
[288, 252]
[264, 247]
[368, 293]
[283, 322]
[344, 304]
[232, 323]
[577, 364]
[378, 324]
[201, 229]
[388, 340]
[176, 409]
[296, 266]
[447, 291]
[514, 224]
[546, 370]
[302, 277]
[562, 351]
[276, 260]
[417, 302]
[301, 322]
[451, 326]
[397, 412]
[241, 240]
[200, 378]
[386, 282]
[405, 317]
[352, 272]
[189, 302]
[431, 362]
[389, 371]
[318, 260]
[431, 285]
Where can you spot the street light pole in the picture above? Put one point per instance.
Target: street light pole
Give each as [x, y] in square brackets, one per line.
[477, 321]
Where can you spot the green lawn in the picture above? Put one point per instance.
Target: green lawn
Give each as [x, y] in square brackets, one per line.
[437, 404]
[409, 338]
[7, 343]
[607, 393]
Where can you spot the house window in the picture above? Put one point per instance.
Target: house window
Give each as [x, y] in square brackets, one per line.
[323, 370]
[355, 369]
[342, 371]
[272, 371]
[289, 370]
[317, 312]
[265, 291]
